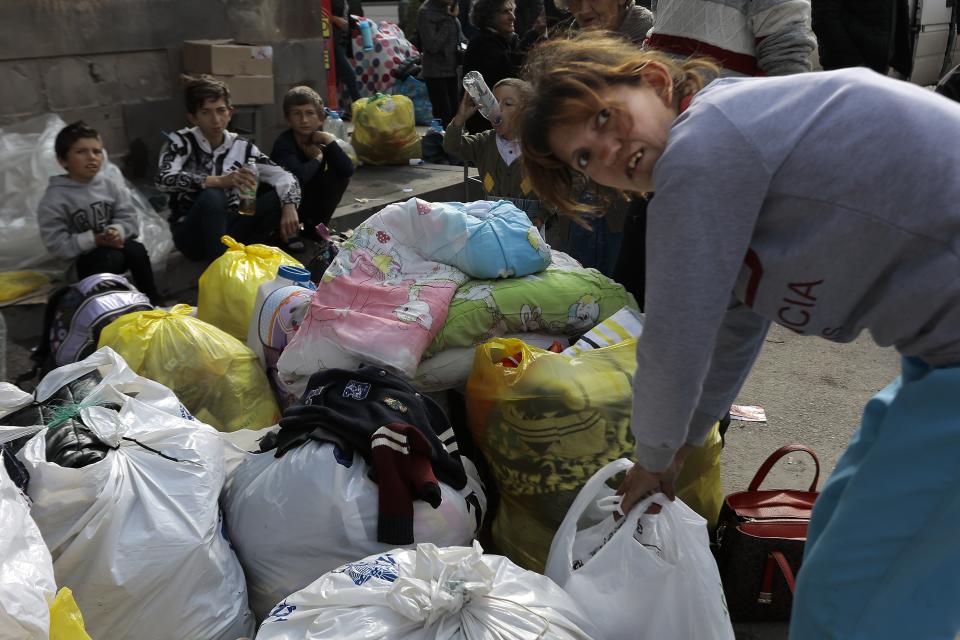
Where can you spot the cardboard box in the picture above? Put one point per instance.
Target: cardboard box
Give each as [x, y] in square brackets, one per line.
[226, 57]
[249, 89]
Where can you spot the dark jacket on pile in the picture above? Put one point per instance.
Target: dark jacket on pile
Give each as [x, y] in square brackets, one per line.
[70, 444]
[373, 413]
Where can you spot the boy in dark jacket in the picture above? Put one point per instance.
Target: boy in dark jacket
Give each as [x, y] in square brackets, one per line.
[85, 216]
[313, 157]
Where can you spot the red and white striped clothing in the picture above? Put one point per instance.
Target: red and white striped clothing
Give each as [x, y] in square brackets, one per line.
[746, 37]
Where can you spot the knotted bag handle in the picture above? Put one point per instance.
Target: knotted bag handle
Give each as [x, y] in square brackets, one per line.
[775, 456]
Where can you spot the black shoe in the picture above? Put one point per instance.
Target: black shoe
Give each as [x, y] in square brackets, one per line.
[295, 245]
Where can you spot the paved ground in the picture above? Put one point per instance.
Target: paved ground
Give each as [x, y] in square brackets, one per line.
[813, 392]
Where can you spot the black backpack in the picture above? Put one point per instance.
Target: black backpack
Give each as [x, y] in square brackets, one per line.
[75, 316]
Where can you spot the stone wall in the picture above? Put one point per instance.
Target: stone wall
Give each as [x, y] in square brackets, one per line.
[116, 63]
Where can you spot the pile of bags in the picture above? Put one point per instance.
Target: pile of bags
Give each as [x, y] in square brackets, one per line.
[125, 490]
[374, 68]
[158, 483]
[306, 501]
[546, 422]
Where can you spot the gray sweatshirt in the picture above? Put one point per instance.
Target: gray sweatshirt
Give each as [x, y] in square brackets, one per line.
[825, 202]
[71, 213]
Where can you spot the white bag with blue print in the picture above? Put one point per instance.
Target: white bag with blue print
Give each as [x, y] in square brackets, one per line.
[430, 593]
[292, 519]
[644, 576]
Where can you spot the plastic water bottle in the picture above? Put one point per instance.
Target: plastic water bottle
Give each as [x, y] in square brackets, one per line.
[335, 125]
[366, 34]
[248, 195]
[487, 104]
[436, 124]
[281, 306]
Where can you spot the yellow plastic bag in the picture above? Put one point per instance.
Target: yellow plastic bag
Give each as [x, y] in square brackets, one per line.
[384, 131]
[216, 377]
[698, 484]
[14, 284]
[66, 621]
[228, 287]
[546, 426]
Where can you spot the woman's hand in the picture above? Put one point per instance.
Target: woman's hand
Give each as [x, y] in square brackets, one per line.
[641, 483]
[466, 109]
[289, 222]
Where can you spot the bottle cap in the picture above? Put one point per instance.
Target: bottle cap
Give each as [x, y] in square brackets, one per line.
[294, 274]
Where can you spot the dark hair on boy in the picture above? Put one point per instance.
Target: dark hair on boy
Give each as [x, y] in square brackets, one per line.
[198, 89]
[70, 134]
[300, 96]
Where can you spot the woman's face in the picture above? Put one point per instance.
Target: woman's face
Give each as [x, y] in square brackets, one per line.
[614, 150]
[509, 99]
[597, 14]
[505, 19]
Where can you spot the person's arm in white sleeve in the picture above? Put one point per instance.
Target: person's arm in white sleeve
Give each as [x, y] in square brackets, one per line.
[171, 176]
[277, 177]
[784, 36]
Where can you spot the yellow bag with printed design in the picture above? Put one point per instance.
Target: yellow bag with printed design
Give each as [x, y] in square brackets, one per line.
[66, 621]
[546, 422]
[384, 131]
[216, 377]
[228, 287]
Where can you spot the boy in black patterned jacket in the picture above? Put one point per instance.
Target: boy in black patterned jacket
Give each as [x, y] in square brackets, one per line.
[203, 168]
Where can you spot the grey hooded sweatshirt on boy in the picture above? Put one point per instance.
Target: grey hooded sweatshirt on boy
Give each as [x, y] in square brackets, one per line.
[71, 213]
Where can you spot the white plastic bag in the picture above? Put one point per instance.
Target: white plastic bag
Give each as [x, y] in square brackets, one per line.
[27, 587]
[294, 518]
[27, 162]
[429, 593]
[646, 576]
[116, 375]
[138, 536]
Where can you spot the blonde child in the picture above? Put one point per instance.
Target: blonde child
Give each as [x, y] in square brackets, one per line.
[496, 152]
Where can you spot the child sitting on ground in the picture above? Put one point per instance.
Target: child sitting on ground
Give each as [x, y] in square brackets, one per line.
[85, 216]
[204, 168]
[313, 156]
[496, 152]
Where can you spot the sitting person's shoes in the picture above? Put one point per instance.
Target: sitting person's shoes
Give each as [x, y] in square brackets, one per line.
[294, 245]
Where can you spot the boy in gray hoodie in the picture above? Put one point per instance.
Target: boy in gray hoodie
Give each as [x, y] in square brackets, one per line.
[86, 217]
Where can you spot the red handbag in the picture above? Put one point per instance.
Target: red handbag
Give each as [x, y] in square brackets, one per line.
[760, 537]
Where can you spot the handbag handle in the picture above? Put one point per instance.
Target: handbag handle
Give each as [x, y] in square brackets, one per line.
[766, 587]
[776, 455]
